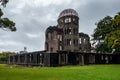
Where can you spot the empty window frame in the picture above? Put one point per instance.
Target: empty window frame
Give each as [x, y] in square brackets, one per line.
[80, 40]
[67, 20]
[60, 47]
[68, 31]
[75, 42]
[84, 40]
[75, 31]
[69, 42]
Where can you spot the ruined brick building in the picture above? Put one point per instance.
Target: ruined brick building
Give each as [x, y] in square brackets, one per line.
[64, 45]
[65, 36]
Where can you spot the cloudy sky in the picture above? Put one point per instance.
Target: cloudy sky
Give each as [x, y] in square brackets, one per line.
[32, 17]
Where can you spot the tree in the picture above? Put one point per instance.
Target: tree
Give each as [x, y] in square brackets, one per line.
[104, 27]
[102, 48]
[4, 2]
[113, 40]
[4, 56]
[107, 34]
[5, 23]
[116, 21]
[116, 45]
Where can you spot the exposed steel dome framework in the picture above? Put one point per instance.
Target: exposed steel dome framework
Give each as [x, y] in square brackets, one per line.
[68, 12]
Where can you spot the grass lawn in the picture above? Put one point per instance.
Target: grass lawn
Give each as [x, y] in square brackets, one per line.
[91, 72]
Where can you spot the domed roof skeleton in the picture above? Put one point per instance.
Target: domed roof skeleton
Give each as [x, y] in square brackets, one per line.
[68, 12]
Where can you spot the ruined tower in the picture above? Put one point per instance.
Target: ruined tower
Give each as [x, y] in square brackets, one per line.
[65, 36]
[51, 43]
[68, 22]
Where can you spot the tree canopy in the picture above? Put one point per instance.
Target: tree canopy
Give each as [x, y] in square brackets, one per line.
[5, 23]
[104, 26]
[107, 34]
[4, 56]
[113, 40]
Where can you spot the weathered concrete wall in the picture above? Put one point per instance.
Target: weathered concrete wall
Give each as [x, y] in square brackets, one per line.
[63, 58]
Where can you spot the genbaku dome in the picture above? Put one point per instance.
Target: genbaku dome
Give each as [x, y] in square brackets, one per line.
[65, 36]
[64, 45]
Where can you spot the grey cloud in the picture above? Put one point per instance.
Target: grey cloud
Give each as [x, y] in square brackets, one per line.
[33, 19]
[93, 11]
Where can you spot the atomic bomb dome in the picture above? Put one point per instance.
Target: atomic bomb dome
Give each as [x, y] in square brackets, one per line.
[68, 12]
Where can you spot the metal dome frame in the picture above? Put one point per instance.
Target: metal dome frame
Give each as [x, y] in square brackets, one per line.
[68, 12]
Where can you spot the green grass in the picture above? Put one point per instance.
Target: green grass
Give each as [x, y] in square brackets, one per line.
[91, 72]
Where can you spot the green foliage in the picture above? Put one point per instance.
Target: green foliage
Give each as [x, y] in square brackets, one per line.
[116, 45]
[5, 23]
[1, 13]
[116, 22]
[104, 26]
[4, 55]
[91, 72]
[106, 34]
[102, 48]
[4, 2]
[113, 40]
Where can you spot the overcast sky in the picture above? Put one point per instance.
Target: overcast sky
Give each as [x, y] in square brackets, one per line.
[32, 17]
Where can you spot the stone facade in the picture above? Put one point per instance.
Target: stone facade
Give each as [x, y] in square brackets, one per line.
[62, 58]
[84, 43]
[65, 36]
[64, 45]
[52, 41]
